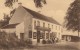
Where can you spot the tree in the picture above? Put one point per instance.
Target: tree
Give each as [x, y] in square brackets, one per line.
[72, 19]
[1, 23]
[12, 12]
[38, 3]
[5, 20]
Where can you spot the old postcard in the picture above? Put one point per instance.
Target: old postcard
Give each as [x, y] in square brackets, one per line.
[39, 24]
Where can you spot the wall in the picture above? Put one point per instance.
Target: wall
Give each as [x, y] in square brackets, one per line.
[21, 15]
[18, 16]
[27, 24]
[19, 29]
[57, 30]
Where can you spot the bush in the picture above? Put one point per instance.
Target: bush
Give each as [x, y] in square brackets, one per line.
[8, 40]
[49, 42]
[12, 41]
[28, 42]
[43, 41]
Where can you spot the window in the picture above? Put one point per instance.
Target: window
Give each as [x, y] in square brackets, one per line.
[47, 35]
[43, 35]
[38, 23]
[48, 25]
[56, 27]
[51, 35]
[34, 24]
[30, 34]
[15, 0]
[59, 27]
[52, 26]
[43, 24]
[34, 35]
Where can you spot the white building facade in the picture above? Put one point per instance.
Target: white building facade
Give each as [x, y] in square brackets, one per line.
[35, 26]
[48, 30]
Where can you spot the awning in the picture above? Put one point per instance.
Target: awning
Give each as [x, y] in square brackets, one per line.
[43, 28]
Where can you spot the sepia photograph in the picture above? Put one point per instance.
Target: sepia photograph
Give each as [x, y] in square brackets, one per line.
[39, 24]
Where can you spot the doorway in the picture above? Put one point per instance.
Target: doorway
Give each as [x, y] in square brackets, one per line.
[21, 36]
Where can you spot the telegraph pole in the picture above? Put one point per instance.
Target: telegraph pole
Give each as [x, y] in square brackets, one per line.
[79, 25]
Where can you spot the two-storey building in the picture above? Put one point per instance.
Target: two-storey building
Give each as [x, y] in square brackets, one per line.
[28, 24]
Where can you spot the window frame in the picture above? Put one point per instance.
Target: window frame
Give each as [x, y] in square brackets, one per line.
[43, 24]
[34, 35]
[38, 23]
[52, 26]
[34, 24]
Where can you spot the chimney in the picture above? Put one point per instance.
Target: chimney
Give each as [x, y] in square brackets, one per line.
[20, 4]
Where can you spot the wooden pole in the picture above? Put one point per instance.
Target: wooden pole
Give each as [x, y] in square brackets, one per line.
[78, 32]
[79, 24]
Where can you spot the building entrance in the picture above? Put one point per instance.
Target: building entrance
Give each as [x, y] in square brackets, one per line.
[22, 36]
[38, 28]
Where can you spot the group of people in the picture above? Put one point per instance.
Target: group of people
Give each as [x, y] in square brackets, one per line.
[55, 39]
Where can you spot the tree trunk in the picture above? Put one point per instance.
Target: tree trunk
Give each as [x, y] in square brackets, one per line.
[78, 26]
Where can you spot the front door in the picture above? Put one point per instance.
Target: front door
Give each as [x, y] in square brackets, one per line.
[38, 36]
[22, 36]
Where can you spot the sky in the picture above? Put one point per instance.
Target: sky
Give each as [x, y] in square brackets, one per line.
[54, 8]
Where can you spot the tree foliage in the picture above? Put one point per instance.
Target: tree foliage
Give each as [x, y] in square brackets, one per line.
[72, 19]
[8, 40]
[9, 3]
[5, 20]
[12, 12]
[38, 3]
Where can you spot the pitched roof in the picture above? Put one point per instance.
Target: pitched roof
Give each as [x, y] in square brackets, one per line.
[20, 12]
[9, 26]
[18, 15]
[41, 16]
